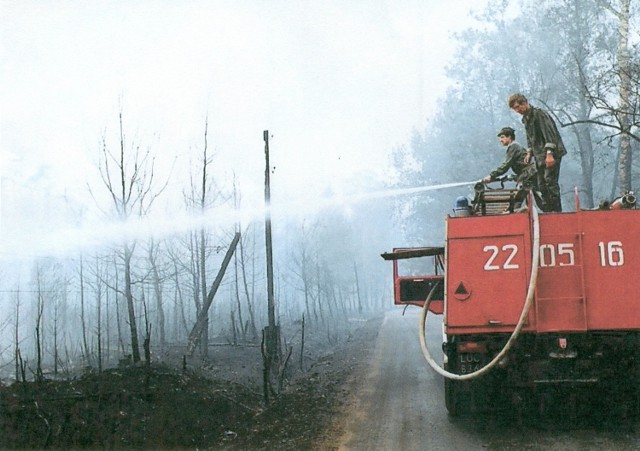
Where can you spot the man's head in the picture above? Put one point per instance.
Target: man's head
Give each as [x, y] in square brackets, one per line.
[506, 135]
[518, 103]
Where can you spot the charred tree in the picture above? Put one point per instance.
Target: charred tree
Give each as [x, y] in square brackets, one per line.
[156, 281]
[128, 175]
[16, 337]
[240, 280]
[249, 296]
[83, 320]
[201, 196]
[38, 328]
[128, 295]
[98, 293]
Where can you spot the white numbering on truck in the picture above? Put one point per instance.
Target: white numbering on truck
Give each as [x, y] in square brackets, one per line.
[560, 254]
[557, 255]
[611, 253]
[510, 249]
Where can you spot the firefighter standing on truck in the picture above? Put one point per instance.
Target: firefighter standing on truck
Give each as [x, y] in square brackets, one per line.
[514, 160]
[545, 144]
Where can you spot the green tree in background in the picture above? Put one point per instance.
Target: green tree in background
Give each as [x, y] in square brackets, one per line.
[566, 57]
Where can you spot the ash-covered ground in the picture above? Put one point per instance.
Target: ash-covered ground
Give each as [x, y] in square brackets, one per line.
[216, 402]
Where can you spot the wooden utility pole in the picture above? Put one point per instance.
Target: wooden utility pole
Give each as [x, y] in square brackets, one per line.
[267, 232]
[270, 333]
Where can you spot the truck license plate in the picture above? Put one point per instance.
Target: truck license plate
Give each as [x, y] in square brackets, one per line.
[468, 363]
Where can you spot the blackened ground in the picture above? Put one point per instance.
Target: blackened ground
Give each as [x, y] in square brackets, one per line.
[217, 403]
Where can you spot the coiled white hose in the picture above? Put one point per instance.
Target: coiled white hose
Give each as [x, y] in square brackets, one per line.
[514, 335]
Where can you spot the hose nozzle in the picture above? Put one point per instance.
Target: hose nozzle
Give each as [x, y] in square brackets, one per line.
[624, 202]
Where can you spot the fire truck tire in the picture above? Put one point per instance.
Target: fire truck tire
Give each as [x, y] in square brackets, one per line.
[451, 399]
[633, 382]
[455, 401]
[636, 379]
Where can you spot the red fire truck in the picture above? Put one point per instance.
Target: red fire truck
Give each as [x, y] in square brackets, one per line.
[531, 303]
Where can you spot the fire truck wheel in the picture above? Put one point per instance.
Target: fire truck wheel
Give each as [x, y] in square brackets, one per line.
[635, 402]
[452, 399]
[449, 397]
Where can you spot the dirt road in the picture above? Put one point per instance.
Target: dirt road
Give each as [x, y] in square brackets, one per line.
[398, 405]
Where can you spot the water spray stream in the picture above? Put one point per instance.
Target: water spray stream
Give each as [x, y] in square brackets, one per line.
[355, 198]
[70, 240]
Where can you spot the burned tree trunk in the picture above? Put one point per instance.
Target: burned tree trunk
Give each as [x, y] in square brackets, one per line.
[133, 328]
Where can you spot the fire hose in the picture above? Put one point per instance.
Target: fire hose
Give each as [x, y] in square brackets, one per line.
[514, 335]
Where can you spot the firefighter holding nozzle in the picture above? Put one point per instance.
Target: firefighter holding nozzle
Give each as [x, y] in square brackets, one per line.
[525, 173]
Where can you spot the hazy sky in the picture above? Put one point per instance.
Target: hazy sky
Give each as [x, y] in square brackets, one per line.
[338, 84]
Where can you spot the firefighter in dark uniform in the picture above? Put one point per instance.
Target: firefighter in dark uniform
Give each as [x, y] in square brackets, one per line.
[514, 160]
[545, 144]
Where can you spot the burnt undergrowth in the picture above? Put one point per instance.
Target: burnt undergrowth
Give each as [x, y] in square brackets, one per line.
[216, 403]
